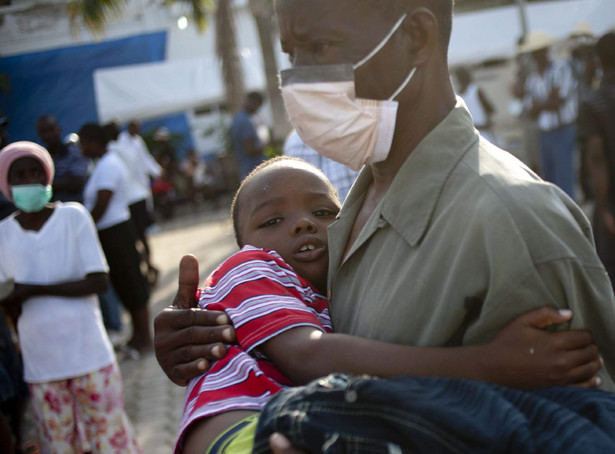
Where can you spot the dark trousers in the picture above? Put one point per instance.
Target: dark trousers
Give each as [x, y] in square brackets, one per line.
[343, 414]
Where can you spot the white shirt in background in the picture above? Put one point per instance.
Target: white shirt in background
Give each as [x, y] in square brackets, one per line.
[109, 174]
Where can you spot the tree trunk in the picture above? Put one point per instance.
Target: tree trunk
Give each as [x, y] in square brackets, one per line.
[226, 49]
[262, 10]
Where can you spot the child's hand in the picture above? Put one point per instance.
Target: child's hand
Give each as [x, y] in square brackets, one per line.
[524, 355]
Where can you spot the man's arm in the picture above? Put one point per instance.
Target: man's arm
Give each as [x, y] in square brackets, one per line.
[103, 197]
[557, 266]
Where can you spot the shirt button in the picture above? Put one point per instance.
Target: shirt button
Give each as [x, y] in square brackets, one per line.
[351, 396]
[381, 223]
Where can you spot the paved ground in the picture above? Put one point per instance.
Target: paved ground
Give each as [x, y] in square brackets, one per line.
[153, 402]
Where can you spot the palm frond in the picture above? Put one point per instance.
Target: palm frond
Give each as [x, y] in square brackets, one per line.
[200, 10]
[94, 14]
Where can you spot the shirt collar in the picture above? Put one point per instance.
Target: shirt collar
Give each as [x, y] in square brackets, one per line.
[411, 200]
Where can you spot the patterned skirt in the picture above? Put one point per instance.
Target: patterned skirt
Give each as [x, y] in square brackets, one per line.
[83, 414]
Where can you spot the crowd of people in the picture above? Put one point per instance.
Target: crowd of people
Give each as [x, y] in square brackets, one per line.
[74, 238]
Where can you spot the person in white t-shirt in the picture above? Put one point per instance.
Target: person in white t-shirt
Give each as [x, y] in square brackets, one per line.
[105, 196]
[142, 166]
[53, 260]
[477, 102]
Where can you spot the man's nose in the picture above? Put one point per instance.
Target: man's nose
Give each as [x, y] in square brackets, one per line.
[304, 225]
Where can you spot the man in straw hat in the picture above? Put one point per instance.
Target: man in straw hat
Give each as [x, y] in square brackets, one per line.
[550, 97]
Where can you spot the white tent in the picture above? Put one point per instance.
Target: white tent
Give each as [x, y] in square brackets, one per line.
[156, 89]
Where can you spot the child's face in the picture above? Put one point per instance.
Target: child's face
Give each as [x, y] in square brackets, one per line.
[287, 207]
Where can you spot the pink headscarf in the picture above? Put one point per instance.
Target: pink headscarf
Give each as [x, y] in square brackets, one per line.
[14, 151]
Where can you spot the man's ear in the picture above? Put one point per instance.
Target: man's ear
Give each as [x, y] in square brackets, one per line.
[424, 30]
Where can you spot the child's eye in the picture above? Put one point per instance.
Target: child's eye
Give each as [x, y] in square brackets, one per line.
[321, 213]
[271, 222]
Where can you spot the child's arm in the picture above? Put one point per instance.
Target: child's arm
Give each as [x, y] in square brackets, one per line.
[520, 356]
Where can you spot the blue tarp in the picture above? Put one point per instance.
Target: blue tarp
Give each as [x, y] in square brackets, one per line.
[59, 82]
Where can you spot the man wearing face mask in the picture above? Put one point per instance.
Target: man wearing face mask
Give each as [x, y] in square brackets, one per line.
[444, 238]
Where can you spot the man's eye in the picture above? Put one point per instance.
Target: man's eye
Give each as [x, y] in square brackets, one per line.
[321, 213]
[271, 222]
[319, 48]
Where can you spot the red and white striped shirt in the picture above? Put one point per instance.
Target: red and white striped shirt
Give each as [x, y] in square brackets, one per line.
[263, 296]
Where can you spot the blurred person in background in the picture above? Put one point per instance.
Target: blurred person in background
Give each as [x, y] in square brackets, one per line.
[597, 121]
[341, 177]
[132, 135]
[71, 166]
[247, 145]
[6, 207]
[529, 130]
[477, 102]
[586, 72]
[52, 255]
[140, 169]
[551, 99]
[163, 187]
[105, 196]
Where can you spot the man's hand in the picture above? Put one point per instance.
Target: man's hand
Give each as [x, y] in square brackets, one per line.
[524, 355]
[186, 338]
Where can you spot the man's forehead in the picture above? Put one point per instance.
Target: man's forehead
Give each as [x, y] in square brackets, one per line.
[318, 14]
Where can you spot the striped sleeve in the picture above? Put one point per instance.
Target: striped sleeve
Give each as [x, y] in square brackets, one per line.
[263, 297]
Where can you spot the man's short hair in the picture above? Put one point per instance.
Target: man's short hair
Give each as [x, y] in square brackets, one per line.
[94, 133]
[112, 131]
[255, 98]
[605, 47]
[46, 118]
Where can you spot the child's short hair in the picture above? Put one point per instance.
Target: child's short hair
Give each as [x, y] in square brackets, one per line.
[251, 175]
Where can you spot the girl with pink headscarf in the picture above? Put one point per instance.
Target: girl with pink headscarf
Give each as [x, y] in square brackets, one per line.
[53, 261]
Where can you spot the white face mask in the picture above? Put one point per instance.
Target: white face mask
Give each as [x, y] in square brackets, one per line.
[324, 109]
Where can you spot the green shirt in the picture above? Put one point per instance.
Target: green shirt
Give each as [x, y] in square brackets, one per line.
[465, 239]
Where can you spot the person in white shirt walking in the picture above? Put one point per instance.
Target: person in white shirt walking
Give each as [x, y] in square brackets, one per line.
[105, 196]
[142, 166]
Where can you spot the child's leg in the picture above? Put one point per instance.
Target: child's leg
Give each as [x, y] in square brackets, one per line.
[101, 412]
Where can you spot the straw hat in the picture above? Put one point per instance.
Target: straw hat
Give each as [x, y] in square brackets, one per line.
[582, 29]
[535, 41]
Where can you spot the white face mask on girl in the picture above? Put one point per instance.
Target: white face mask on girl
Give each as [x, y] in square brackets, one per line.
[322, 104]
